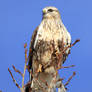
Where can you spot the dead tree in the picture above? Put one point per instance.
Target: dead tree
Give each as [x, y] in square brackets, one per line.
[44, 82]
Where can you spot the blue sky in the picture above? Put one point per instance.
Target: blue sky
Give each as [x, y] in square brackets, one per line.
[18, 19]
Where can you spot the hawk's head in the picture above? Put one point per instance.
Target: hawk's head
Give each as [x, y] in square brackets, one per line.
[51, 12]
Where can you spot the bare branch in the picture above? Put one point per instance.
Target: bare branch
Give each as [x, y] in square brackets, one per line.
[24, 65]
[71, 45]
[16, 70]
[70, 79]
[13, 79]
[62, 67]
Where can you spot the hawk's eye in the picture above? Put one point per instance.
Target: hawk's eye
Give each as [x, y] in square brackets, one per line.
[50, 10]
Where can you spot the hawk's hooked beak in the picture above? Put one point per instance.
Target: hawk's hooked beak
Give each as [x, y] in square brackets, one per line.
[44, 11]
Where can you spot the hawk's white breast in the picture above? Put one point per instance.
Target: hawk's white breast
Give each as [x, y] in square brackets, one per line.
[52, 31]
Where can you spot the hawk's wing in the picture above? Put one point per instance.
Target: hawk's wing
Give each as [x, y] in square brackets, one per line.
[31, 48]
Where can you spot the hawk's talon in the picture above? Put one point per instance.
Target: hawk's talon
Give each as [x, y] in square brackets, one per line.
[56, 53]
[39, 68]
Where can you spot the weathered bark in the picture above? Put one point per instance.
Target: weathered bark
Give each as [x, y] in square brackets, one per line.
[46, 83]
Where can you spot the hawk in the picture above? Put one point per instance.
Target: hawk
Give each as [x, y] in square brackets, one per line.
[46, 41]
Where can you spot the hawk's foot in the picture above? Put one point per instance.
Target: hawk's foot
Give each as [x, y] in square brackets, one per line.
[39, 68]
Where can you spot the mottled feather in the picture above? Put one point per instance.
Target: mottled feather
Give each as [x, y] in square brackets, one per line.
[51, 32]
[31, 48]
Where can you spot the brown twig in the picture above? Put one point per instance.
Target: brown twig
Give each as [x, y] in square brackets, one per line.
[24, 65]
[62, 67]
[75, 42]
[71, 45]
[16, 70]
[13, 78]
[60, 79]
[70, 79]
